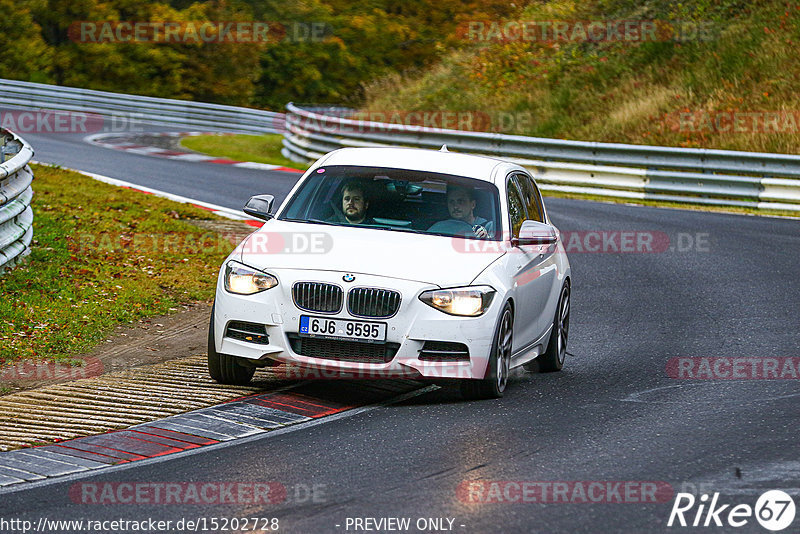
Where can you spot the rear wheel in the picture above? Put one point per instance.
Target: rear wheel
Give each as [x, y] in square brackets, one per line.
[494, 383]
[553, 357]
[224, 368]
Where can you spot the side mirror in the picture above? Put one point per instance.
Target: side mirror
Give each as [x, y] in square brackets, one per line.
[260, 207]
[535, 233]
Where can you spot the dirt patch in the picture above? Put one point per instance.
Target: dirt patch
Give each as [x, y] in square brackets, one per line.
[153, 340]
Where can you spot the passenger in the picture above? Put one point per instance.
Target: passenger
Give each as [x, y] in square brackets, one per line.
[461, 205]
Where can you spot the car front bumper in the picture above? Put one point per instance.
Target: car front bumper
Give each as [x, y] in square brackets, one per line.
[414, 323]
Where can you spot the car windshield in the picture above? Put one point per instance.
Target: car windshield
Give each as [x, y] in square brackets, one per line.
[398, 200]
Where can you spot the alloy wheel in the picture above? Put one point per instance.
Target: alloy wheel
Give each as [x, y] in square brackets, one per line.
[505, 336]
[563, 326]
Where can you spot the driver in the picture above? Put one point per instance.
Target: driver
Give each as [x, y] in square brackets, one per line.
[354, 205]
[461, 206]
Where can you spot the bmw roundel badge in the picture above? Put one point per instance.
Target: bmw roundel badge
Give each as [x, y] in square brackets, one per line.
[348, 277]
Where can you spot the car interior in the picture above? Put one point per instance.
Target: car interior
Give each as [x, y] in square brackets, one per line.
[398, 203]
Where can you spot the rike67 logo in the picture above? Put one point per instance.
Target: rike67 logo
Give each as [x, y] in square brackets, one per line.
[774, 510]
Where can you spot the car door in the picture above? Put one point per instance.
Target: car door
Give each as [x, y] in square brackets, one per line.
[535, 269]
[549, 260]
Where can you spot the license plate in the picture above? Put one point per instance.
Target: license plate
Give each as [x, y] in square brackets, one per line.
[325, 327]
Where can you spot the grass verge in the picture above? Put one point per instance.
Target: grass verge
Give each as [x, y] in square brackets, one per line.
[242, 147]
[101, 256]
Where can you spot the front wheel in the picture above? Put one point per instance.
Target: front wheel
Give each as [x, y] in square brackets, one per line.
[224, 368]
[553, 357]
[494, 382]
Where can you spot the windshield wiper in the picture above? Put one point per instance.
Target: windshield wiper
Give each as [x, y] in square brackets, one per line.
[315, 221]
[387, 227]
[409, 230]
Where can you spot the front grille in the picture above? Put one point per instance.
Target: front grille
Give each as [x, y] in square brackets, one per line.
[317, 297]
[372, 302]
[345, 351]
[251, 332]
[444, 351]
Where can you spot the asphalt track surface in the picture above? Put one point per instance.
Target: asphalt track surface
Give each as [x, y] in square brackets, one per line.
[205, 182]
[612, 414]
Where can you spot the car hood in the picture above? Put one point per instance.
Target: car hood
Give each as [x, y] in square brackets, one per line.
[443, 261]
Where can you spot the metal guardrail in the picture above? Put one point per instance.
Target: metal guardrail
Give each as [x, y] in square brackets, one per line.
[16, 215]
[161, 111]
[700, 176]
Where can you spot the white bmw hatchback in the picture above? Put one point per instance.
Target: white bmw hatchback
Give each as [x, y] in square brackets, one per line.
[396, 262]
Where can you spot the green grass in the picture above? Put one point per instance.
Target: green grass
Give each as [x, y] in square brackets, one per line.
[101, 256]
[257, 148]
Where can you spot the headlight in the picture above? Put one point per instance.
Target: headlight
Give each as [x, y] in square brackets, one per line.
[244, 280]
[467, 301]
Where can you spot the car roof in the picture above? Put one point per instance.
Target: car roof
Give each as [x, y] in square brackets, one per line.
[417, 159]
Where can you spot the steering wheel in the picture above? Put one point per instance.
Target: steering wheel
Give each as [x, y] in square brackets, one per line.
[477, 230]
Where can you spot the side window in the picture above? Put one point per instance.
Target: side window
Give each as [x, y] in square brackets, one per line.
[516, 208]
[531, 197]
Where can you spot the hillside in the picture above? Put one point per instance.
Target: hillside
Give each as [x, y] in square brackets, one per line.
[259, 53]
[700, 73]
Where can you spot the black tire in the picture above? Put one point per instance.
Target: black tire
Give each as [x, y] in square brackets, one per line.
[224, 368]
[494, 383]
[556, 352]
